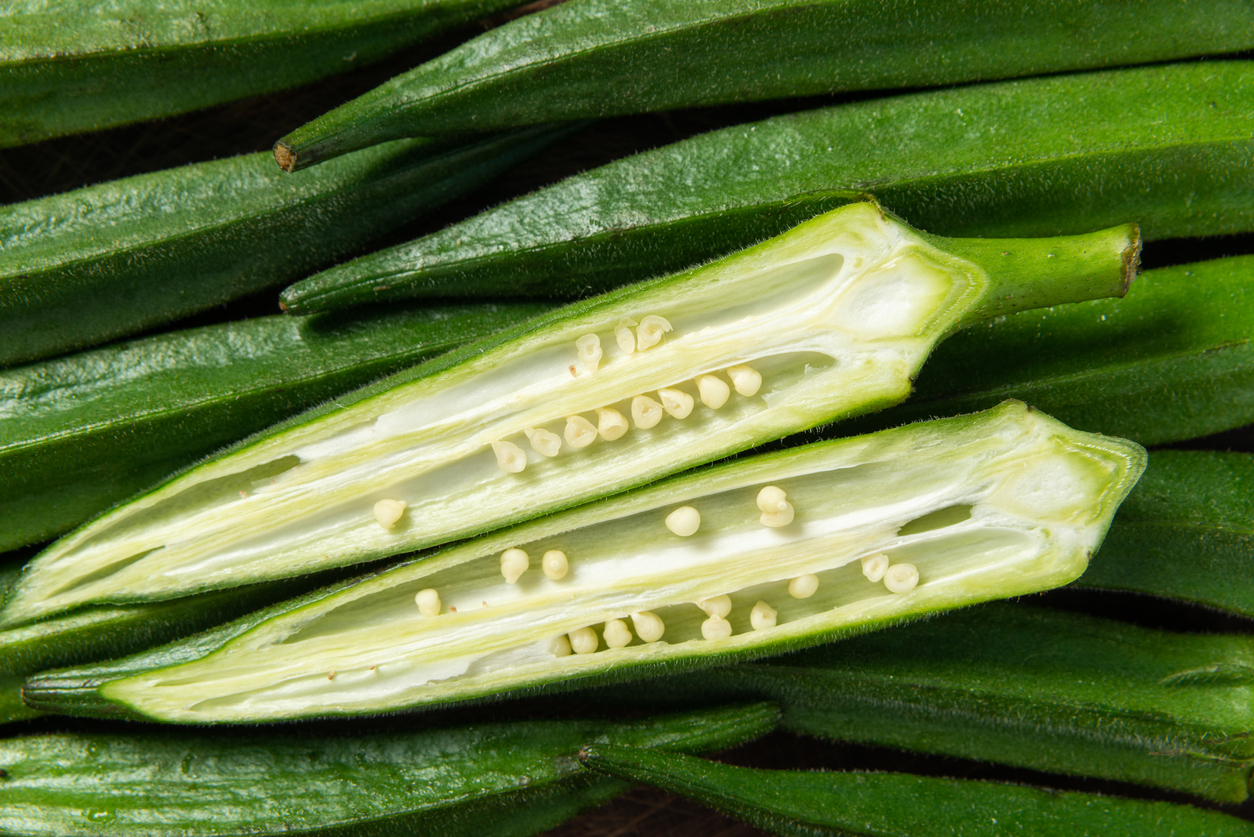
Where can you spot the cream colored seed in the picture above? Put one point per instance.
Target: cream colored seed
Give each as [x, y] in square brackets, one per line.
[544, 442]
[716, 627]
[746, 380]
[650, 332]
[684, 521]
[584, 640]
[716, 605]
[762, 616]
[554, 564]
[645, 412]
[622, 334]
[803, 586]
[776, 510]
[648, 625]
[874, 566]
[713, 390]
[514, 562]
[610, 423]
[589, 348]
[428, 602]
[676, 402]
[388, 512]
[560, 646]
[509, 456]
[617, 634]
[901, 578]
[579, 432]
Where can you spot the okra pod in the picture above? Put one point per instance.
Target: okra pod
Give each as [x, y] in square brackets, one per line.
[497, 779]
[591, 58]
[532, 420]
[760, 555]
[110, 260]
[82, 433]
[66, 68]
[1170, 147]
[799, 804]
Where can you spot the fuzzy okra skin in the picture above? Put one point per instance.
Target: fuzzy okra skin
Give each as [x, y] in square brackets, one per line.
[804, 804]
[69, 67]
[1170, 147]
[81, 433]
[832, 319]
[504, 778]
[110, 260]
[760, 555]
[592, 58]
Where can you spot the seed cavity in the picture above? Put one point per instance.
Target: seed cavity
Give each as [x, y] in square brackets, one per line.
[510, 457]
[650, 332]
[745, 379]
[716, 606]
[649, 626]
[874, 566]
[901, 578]
[560, 646]
[514, 562]
[584, 640]
[684, 521]
[544, 442]
[645, 412]
[554, 564]
[610, 423]
[622, 334]
[676, 402]
[762, 617]
[803, 586]
[716, 627]
[617, 634]
[589, 348]
[713, 390]
[388, 512]
[579, 432]
[776, 510]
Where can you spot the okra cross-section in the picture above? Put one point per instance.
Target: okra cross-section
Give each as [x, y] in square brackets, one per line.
[831, 319]
[767, 553]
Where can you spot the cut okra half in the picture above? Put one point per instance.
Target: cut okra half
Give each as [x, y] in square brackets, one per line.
[831, 319]
[764, 554]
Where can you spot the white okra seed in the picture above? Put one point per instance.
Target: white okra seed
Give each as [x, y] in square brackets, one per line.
[622, 334]
[716, 627]
[713, 390]
[617, 634]
[544, 442]
[645, 412]
[560, 646]
[428, 602]
[648, 625]
[610, 423]
[579, 432]
[589, 348]
[716, 605]
[901, 578]
[509, 456]
[684, 521]
[745, 379]
[803, 586]
[584, 640]
[874, 566]
[388, 512]
[762, 616]
[776, 510]
[514, 563]
[676, 402]
[554, 564]
[650, 332]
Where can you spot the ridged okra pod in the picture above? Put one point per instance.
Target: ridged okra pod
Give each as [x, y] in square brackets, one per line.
[591, 58]
[760, 555]
[1169, 147]
[832, 319]
[800, 804]
[502, 779]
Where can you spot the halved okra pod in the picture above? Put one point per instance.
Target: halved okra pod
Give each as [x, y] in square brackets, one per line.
[760, 555]
[832, 319]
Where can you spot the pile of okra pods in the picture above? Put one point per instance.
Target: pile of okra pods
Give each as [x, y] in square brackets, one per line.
[610, 417]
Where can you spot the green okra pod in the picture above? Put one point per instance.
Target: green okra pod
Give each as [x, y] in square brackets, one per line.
[797, 804]
[1170, 147]
[590, 58]
[535, 419]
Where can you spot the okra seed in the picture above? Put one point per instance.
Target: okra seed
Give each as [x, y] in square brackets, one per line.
[544, 442]
[645, 412]
[388, 512]
[428, 602]
[560, 646]
[579, 432]
[676, 402]
[622, 334]
[650, 332]
[762, 616]
[514, 562]
[713, 390]
[874, 566]
[649, 626]
[901, 578]
[684, 521]
[716, 627]
[745, 379]
[584, 640]
[716, 605]
[610, 423]
[617, 634]
[776, 510]
[803, 586]
[589, 348]
[509, 456]
[555, 564]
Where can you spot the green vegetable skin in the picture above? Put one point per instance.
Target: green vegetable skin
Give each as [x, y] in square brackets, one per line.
[450, 438]
[88, 266]
[487, 779]
[860, 533]
[80, 434]
[898, 805]
[68, 67]
[589, 58]
[1170, 147]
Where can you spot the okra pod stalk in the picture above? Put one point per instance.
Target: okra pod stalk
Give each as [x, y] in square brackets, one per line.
[761, 555]
[798, 804]
[591, 58]
[1049, 156]
[577, 404]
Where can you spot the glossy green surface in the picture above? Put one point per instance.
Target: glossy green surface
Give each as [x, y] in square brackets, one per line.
[68, 67]
[81, 433]
[1169, 147]
[590, 58]
[899, 805]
